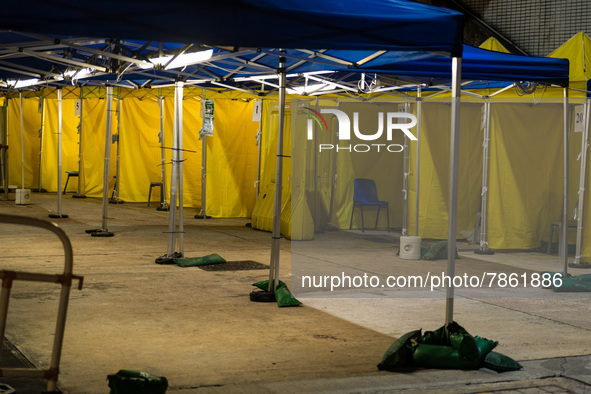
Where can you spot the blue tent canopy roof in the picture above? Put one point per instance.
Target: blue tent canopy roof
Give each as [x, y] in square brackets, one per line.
[328, 24]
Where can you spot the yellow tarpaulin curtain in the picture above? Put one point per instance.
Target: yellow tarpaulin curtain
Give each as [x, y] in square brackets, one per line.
[140, 162]
[383, 167]
[232, 160]
[434, 170]
[49, 155]
[94, 125]
[262, 215]
[32, 125]
[526, 173]
[192, 156]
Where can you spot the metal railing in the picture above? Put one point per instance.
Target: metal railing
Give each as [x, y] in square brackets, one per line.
[65, 279]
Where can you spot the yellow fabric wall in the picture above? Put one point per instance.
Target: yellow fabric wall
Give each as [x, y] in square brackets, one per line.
[32, 125]
[232, 151]
[94, 125]
[232, 160]
[525, 192]
[49, 174]
[140, 150]
[434, 170]
[385, 168]
[262, 214]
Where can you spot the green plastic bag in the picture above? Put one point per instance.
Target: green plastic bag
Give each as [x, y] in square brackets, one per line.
[459, 339]
[285, 298]
[282, 294]
[436, 252]
[197, 261]
[399, 354]
[264, 284]
[573, 285]
[500, 363]
[485, 346]
[128, 381]
[440, 356]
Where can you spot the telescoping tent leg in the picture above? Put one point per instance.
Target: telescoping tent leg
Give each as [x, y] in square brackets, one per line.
[453, 186]
[405, 171]
[175, 174]
[565, 193]
[79, 191]
[4, 149]
[104, 232]
[484, 193]
[59, 214]
[42, 110]
[22, 193]
[163, 204]
[584, 148]
[202, 214]
[418, 163]
[269, 295]
[115, 197]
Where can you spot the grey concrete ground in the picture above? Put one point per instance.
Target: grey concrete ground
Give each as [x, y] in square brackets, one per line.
[200, 330]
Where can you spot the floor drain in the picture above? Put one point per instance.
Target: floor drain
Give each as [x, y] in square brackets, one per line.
[241, 265]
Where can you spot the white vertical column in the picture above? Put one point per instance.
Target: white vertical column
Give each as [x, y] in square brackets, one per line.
[275, 245]
[453, 185]
[582, 176]
[565, 197]
[418, 163]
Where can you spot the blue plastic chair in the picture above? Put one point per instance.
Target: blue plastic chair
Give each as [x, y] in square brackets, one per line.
[366, 195]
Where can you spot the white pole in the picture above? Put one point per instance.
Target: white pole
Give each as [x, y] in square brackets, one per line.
[418, 164]
[275, 245]
[107, 167]
[5, 151]
[118, 165]
[485, 165]
[179, 109]
[23, 144]
[453, 185]
[203, 214]
[78, 194]
[41, 132]
[174, 174]
[405, 170]
[259, 138]
[59, 214]
[583, 173]
[565, 193]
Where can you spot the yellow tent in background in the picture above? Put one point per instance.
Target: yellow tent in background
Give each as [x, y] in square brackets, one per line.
[492, 44]
[578, 52]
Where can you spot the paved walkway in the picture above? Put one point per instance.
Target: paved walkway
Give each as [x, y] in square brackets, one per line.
[200, 330]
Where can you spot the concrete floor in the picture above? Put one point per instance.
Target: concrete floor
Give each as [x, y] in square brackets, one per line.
[200, 330]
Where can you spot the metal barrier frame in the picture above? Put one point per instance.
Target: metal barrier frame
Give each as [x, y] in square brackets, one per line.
[65, 279]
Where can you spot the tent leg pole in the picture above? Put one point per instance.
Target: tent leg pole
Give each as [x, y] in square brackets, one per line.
[275, 246]
[179, 115]
[484, 193]
[79, 191]
[418, 163]
[453, 185]
[42, 104]
[203, 175]
[174, 176]
[259, 142]
[59, 214]
[5, 152]
[565, 197]
[23, 143]
[78, 194]
[583, 173]
[405, 179]
[164, 205]
[116, 200]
